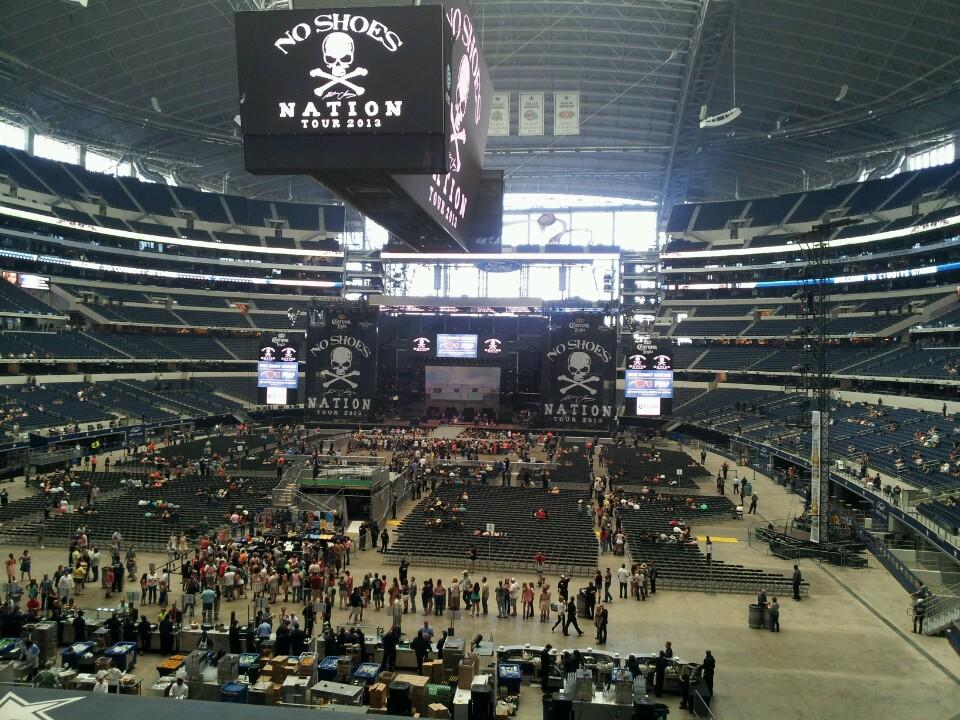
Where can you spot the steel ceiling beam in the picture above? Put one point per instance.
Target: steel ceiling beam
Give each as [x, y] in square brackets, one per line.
[707, 41]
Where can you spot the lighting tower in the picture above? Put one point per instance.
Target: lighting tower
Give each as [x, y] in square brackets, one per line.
[814, 295]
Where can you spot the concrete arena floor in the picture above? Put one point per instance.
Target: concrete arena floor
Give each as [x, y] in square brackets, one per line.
[844, 652]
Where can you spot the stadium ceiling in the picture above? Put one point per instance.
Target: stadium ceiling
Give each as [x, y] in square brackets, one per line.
[828, 88]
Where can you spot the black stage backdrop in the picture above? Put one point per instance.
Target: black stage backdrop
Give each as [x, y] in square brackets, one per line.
[342, 365]
[579, 373]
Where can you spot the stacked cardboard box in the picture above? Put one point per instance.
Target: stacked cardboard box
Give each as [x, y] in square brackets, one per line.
[469, 667]
[386, 677]
[378, 695]
[418, 685]
[307, 665]
[437, 710]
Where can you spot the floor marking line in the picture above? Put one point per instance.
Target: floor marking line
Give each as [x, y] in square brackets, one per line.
[903, 636]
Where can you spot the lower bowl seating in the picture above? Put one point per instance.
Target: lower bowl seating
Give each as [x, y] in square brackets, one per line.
[565, 537]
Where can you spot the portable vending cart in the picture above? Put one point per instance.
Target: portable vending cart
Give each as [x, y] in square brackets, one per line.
[366, 675]
[247, 662]
[123, 654]
[70, 656]
[509, 677]
[327, 670]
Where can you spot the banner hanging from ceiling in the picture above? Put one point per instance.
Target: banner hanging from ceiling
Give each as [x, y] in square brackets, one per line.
[499, 115]
[566, 113]
[531, 114]
[342, 365]
[580, 371]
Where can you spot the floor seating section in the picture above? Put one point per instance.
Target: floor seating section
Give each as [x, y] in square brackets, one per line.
[686, 567]
[566, 538]
[639, 465]
[121, 508]
[573, 465]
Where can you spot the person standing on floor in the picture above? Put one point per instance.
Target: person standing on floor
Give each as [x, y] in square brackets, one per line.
[797, 579]
[623, 576]
[774, 616]
[753, 505]
[709, 550]
[572, 618]
[600, 619]
[762, 603]
[607, 581]
[659, 673]
[919, 610]
[708, 667]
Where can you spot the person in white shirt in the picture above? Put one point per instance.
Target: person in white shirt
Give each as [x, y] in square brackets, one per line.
[623, 576]
[113, 678]
[102, 685]
[178, 691]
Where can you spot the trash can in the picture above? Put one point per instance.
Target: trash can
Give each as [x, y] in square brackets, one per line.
[755, 616]
[747, 489]
[582, 603]
[232, 692]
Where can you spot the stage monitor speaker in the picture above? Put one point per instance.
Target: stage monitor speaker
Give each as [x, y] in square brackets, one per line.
[398, 699]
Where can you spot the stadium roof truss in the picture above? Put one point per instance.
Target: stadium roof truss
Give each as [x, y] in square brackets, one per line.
[829, 89]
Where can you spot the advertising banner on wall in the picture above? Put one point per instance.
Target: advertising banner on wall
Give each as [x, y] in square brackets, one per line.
[531, 114]
[566, 113]
[342, 365]
[816, 475]
[500, 115]
[579, 371]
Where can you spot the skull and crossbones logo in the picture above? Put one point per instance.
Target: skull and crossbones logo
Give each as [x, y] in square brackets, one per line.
[338, 55]
[458, 110]
[579, 366]
[341, 360]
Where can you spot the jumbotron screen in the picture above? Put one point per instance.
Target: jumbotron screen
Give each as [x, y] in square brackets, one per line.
[456, 346]
[278, 375]
[648, 383]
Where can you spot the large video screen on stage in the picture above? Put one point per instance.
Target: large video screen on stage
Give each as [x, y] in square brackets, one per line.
[456, 346]
[461, 383]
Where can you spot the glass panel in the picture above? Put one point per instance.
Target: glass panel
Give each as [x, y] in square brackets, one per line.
[13, 136]
[47, 147]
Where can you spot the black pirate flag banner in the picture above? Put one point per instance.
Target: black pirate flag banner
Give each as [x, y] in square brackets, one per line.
[342, 365]
[580, 371]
